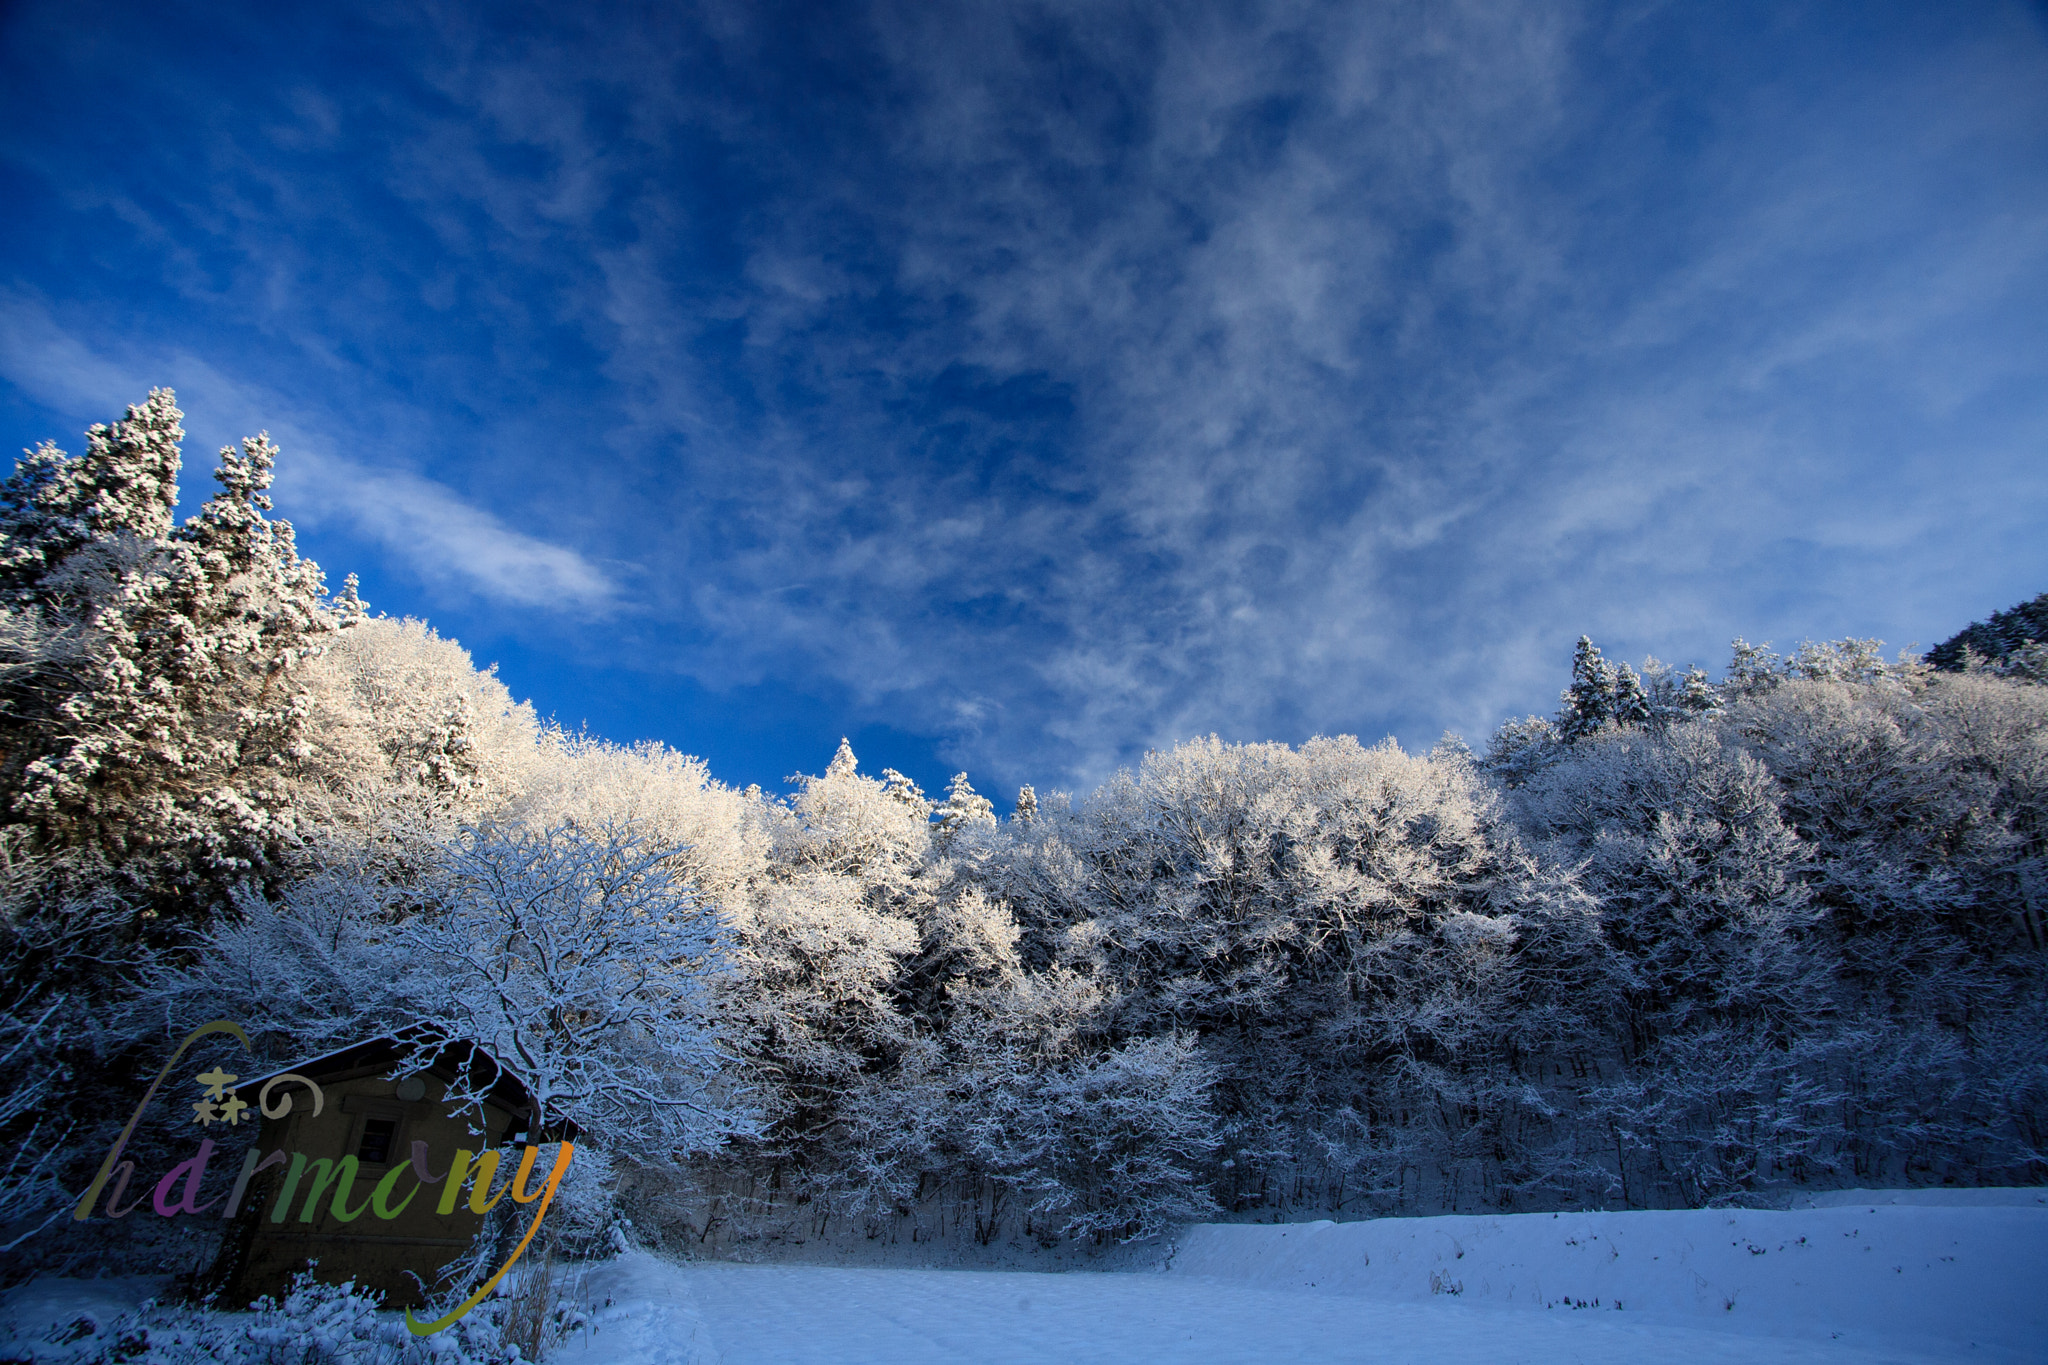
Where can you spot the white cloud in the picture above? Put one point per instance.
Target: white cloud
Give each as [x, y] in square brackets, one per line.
[423, 524]
[442, 537]
[1399, 346]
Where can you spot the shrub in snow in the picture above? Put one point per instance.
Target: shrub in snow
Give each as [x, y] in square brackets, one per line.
[312, 1324]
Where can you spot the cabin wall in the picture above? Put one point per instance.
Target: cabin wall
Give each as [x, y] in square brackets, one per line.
[267, 1244]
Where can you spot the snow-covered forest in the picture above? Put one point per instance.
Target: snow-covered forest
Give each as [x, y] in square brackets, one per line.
[1687, 941]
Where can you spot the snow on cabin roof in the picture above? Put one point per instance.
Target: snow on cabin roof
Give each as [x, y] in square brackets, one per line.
[505, 1087]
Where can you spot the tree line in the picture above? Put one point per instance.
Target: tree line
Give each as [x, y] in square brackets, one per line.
[1687, 941]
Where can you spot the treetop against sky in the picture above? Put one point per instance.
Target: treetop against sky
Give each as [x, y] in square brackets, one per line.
[1017, 387]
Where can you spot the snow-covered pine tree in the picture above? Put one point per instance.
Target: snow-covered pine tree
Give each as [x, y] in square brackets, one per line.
[900, 788]
[1671, 697]
[1697, 693]
[2028, 663]
[1631, 702]
[54, 505]
[963, 807]
[160, 729]
[1752, 669]
[1519, 748]
[1589, 703]
[1027, 805]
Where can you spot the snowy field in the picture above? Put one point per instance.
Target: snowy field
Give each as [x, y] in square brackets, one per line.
[1919, 1277]
[1937, 1276]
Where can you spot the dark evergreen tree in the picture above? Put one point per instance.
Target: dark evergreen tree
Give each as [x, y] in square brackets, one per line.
[1997, 640]
[1631, 702]
[1590, 704]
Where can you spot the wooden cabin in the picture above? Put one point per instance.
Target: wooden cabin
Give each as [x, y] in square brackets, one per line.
[371, 1111]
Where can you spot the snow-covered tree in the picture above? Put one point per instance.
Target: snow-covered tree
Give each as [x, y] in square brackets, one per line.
[1670, 697]
[2028, 663]
[813, 1006]
[1752, 669]
[1036, 870]
[1519, 748]
[1631, 703]
[1697, 694]
[963, 807]
[58, 939]
[1333, 923]
[1923, 809]
[1996, 641]
[966, 941]
[717, 838]
[854, 825]
[1591, 702]
[1846, 660]
[900, 788]
[811, 1001]
[125, 484]
[577, 960]
[161, 726]
[402, 721]
[569, 955]
[1698, 875]
[1026, 1108]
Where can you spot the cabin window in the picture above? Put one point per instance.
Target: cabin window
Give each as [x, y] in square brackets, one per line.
[375, 1148]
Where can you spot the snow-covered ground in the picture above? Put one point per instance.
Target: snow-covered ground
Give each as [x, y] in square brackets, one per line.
[1871, 1273]
[1908, 1278]
[1926, 1276]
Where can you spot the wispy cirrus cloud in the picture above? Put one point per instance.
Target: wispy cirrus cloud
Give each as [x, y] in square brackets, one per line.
[447, 539]
[1055, 381]
[441, 537]
[1381, 371]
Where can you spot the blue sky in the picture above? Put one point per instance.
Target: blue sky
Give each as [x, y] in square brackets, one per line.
[1019, 387]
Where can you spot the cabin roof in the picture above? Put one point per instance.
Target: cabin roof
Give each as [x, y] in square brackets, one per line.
[497, 1082]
